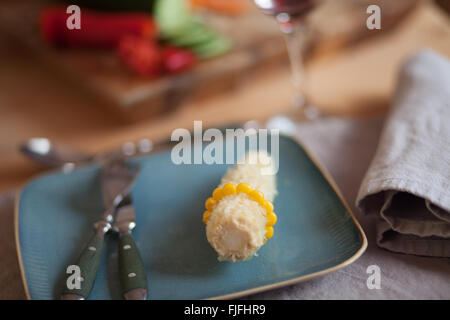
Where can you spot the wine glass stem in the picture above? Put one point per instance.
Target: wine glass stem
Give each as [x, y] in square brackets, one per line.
[295, 47]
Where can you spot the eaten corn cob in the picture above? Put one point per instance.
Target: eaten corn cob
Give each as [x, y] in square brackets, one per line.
[239, 216]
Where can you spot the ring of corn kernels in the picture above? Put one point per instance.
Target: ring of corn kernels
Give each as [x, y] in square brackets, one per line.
[255, 195]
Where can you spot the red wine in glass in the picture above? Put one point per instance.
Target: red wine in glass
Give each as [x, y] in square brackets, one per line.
[289, 14]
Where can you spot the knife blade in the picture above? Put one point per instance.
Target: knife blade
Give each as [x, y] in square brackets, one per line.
[116, 180]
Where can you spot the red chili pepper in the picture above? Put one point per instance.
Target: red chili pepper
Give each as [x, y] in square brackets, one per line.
[141, 55]
[178, 60]
[98, 29]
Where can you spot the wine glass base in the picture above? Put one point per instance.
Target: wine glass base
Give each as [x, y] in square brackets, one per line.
[285, 124]
[308, 113]
[288, 121]
[302, 110]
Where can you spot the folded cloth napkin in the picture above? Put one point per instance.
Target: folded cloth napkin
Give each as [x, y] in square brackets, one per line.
[408, 181]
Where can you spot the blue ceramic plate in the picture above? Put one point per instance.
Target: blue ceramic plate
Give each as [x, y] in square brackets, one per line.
[315, 233]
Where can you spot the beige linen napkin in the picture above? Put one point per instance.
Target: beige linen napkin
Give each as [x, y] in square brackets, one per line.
[408, 181]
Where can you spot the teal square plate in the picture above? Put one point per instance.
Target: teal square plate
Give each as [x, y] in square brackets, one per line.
[316, 232]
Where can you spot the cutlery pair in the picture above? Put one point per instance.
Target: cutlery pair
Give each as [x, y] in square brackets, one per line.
[119, 216]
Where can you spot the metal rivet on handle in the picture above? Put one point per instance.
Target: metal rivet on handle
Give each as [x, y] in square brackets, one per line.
[126, 247]
[131, 275]
[92, 249]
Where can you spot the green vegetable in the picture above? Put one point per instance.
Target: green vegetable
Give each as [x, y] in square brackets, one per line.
[172, 16]
[215, 47]
[195, 34]
[178, 26]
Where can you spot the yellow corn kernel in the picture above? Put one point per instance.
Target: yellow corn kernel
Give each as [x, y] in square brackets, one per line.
[218, 194]
[206, 215]
[210, 203]
[271, 219]
[228, 189]
[268, 206]
[269, 232]
[243, 188]
[257, 196]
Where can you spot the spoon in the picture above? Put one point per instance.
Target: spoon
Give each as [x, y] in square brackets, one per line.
[51, 155]
[48, 154]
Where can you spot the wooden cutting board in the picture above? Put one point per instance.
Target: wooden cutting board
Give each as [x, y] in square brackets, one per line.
[258, 45]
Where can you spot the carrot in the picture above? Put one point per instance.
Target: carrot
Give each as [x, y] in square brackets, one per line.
[232, 7]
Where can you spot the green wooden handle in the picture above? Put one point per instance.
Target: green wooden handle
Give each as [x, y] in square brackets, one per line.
[131, 268]
[88, 263]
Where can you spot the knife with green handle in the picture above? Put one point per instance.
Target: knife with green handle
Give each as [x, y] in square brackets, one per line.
[132, 272]
[116, 180]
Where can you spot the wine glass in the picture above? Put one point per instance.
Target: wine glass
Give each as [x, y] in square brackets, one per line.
[290, 15]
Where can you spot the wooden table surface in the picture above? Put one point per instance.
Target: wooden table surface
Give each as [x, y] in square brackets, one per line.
[357, 81]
